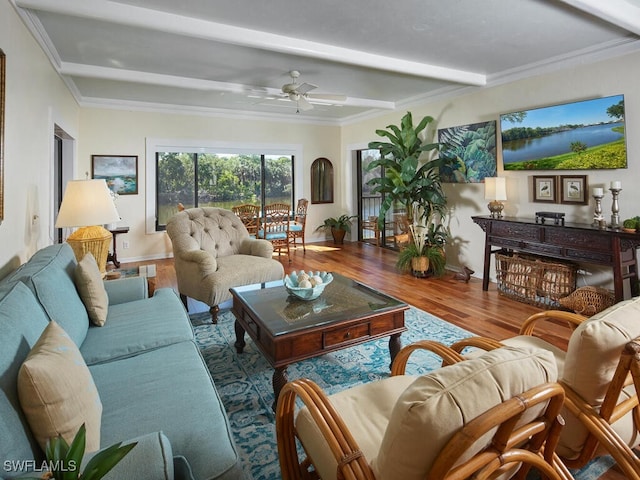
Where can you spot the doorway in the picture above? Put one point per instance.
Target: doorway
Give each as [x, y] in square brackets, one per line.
[369, 204]
[63, 147]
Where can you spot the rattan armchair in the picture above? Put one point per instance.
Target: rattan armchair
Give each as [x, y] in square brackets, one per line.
[250, 216]
[600, 373]
[415, 427]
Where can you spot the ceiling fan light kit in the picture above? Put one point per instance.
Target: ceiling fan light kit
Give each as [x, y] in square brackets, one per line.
[299, 93]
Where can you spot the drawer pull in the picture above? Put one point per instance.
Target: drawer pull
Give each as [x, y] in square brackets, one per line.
[347, 335]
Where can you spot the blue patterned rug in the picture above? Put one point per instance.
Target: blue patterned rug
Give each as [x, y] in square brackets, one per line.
[244, 381]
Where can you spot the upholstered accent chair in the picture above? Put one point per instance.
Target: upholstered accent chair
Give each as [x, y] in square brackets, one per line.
[600, 372]
[498, 413]
[276, 218]
[213, 252]
[297, 227]
[250, 216]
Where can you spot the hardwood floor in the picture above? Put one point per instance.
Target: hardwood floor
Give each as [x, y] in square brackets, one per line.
[463, 304]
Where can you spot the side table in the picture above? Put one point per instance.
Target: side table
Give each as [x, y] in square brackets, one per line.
[113, 257]
[147, 271]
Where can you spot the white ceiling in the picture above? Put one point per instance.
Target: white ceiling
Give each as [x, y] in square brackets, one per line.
[230, 57]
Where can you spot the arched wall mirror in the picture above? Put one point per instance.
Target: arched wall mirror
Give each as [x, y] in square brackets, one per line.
[321, 181]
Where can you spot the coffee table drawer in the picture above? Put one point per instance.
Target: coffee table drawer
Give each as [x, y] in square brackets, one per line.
[339, 336]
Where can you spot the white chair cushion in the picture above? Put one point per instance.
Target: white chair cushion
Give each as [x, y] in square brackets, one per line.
[437, 405]
[592, 356]
[366, 410]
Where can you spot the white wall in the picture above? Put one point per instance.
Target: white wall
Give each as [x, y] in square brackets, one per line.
[616, 76]
[120, 132]
[36, 98]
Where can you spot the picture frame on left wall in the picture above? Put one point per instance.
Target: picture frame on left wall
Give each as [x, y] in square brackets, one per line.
[2, 81]
[545, 188]
[119, 171]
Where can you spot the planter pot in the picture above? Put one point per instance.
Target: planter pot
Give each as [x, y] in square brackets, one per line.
[420, 266]
[338, 235]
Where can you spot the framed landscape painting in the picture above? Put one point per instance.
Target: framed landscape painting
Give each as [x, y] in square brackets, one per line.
[588, 134]
[473, 151]
[119, 171]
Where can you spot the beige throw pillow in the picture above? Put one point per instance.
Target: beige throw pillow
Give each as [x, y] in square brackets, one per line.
[88, 280]
[57, 392]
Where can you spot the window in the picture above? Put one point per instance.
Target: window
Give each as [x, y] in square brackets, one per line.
[213, 176]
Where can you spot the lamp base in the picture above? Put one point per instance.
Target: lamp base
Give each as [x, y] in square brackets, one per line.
[496, 208]
[91, 239]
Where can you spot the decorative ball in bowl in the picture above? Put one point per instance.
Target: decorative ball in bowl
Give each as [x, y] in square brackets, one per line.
[307, 285]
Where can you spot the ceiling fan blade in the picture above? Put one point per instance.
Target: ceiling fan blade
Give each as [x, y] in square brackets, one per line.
[305, 87]
[328, 96]
[303, 104]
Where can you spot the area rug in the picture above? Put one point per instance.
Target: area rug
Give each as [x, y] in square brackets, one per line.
[244, 381]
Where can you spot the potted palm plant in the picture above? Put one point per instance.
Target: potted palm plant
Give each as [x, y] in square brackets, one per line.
[338, 226]
[413, 182]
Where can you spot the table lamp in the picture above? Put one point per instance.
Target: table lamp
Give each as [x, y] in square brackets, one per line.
[495, 189]
[88, 204]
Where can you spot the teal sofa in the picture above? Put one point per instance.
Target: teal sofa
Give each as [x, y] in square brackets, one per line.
[153, 383]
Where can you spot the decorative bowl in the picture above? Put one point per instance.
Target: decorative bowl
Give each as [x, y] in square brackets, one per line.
[306, 293]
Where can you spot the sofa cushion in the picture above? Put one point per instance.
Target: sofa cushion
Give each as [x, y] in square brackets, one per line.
[437, 405]
[170, 386]
[150, 459]
[88, 281]
[137, 326]
[56, 391]
[22, 321]
[49, 274]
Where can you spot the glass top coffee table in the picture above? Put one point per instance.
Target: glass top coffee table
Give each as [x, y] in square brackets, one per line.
[287, 329]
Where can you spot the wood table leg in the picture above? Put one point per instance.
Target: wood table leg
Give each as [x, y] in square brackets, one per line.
[394, 346]
[240, 343]
[279, 380]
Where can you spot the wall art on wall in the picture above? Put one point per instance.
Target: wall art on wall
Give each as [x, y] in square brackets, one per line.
[2, 75]
[573, 189]
[545, 188]
[473, 147]
[119, 171]
[589, 134]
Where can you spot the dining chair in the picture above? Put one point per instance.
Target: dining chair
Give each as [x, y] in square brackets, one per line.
[276, 219]
[297, 227]
[250, 216]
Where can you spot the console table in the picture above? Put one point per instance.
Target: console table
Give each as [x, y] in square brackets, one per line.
[572, 241]
[113, 257]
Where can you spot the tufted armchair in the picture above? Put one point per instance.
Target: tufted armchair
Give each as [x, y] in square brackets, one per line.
[213, 252]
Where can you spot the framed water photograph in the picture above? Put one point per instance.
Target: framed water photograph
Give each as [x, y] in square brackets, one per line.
[545, 188]
[119, 171]
[573, 189]
[473, 149]
[582, 135]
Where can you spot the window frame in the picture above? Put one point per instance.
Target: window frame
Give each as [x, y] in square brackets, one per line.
[154, 145]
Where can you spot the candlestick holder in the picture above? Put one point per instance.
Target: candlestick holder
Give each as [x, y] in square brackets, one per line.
[597, 214]
[615, 208]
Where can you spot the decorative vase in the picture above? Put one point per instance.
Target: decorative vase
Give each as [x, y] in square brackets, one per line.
[420, 266]
[338, 235]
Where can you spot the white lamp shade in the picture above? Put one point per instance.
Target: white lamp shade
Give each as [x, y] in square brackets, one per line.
[495, 188]
[86, 203]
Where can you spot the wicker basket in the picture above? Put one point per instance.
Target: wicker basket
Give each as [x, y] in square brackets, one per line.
[588, 300]
[534, 280]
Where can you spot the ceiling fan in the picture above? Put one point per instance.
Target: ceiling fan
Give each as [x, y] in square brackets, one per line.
[299, 93]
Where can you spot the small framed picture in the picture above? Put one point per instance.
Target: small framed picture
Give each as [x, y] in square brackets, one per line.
[545, 188]
[573, 189]
[119, 171]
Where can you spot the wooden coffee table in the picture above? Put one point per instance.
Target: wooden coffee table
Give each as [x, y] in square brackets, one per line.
[287, 329]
